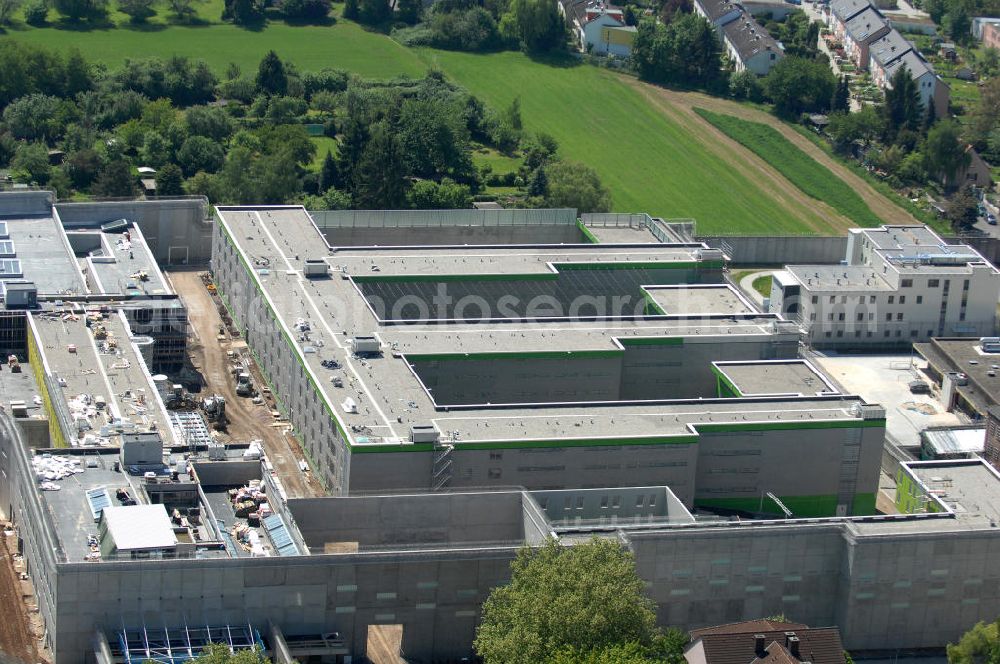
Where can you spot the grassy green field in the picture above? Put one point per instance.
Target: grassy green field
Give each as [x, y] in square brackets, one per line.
[343, 45]
[763, 285]
[799, 168]
[323, 144]
[649, 162]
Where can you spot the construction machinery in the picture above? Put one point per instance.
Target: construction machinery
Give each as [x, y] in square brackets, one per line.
[244, 385]
[214, 408]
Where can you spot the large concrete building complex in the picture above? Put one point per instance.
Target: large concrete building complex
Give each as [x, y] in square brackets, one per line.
[460, 402]
[896, 285]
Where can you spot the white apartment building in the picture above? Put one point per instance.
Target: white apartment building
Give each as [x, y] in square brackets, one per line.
[897, 285]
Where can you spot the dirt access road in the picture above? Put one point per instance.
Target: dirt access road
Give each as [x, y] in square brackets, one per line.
[247, 421]
[18, 616]
[679, 106]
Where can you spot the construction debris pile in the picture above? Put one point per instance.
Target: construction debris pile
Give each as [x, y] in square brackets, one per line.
[250, 502]
[50, 468]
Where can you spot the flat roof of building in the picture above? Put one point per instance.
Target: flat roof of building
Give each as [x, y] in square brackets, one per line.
[84, 365]
[126, 266]
[45, 257]
[966, 355]
[700, 299]
[775, 377]
[969, 488]
[838, 277]
[386, 395]
[139, 527]
[622, 234]
[20, 387]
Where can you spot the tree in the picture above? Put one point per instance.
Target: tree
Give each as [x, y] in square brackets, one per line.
[845, 128]
[957, 23]
[841, 96]
[903, 108]
[945, 155]
[448, 195]
[200, 154]
[77, 10]
[745, 85]
[34, 117]
[671, 8]
[35, 12]
[31, 163]
[182, 10]
[980, 645]
[7, 9]
[156, 150]
[169, 181]
[374, 12]
[797, 85]
[207, 185]
[329, 174]
[271, 77]
[210, 122]
[82, 167]
[79, 77]
[575, 185]
[115, 181]
[536, 24]
[686, 51]
[351, 10]
[306, 10]
[584, 598]
[409, 11]
[243, 12]
[137, 10]
[985, 117]
[962, 211]
[378, 177]
[538, 185]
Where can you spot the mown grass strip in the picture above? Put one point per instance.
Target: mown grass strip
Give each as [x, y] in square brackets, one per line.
[795, 165]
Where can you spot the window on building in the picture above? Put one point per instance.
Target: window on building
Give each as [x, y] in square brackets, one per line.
[840, 316]
[843, 299]
[906, 283]
[965, 285]
[828, 335]
[920, 299]
[861, 317]
[886, 333]
[933, 283]
[812, 316]
[871, 315]
[871, 299]
[869, 333]
[829, 316]
[888, 316]
[857, 333]
[892, 299]
[899, 316]
[899, 333]
[815, 299]
[833, 299]
[840, 333]
[902, 299]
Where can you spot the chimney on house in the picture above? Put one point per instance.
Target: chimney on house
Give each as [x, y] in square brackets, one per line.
[758, 644]
[793, 646]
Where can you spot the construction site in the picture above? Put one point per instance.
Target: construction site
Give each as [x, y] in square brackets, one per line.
[354, 440]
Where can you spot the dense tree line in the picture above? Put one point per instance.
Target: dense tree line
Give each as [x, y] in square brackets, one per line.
[400, 142]
[535, 26]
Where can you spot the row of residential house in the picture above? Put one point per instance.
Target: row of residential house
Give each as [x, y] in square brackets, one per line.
[873, 45]
[749, 46]
[600, 29]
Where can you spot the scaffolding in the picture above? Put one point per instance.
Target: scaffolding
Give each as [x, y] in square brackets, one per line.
[175, 645]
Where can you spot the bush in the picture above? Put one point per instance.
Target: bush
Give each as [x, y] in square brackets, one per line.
[36, 12]
[306, 10]
[470, 30]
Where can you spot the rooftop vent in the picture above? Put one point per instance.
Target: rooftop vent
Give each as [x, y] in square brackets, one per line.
[315, 267]
[424, 433]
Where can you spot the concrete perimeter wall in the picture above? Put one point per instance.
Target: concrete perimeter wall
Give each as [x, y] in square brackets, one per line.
[178, 231]
[780, 250]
